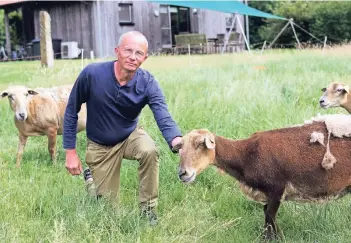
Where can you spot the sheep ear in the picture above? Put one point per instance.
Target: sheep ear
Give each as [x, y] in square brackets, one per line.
[32, 92]
[209, 142]
[324, 89]
[343, 87]
[176, 147]
[4, 94]
[346, 88]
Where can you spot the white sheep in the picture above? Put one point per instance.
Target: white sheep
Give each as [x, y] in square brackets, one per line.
[40, 112]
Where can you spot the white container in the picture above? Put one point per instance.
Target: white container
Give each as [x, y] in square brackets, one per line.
[70, 49]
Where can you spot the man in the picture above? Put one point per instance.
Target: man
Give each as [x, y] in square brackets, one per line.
[115, 93]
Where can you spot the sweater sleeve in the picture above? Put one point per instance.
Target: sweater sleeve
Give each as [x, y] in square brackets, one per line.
[78, 96]
[157, 103]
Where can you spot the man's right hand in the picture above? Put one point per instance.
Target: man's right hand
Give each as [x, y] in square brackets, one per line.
[73, 163]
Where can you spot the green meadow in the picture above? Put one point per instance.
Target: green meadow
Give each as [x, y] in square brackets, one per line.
[233, 95]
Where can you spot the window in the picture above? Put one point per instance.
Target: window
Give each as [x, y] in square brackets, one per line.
[125, 11]
[166, 35]
[180, 21]
[229, 21]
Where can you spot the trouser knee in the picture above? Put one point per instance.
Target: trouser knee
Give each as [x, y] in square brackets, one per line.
[149, 155]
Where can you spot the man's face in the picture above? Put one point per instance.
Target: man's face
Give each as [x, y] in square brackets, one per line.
[132, 52]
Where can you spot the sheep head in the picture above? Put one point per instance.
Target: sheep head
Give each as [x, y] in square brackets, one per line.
[18, 97]
[197, 152]
[335, 95]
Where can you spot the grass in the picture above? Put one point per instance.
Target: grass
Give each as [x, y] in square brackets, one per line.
[233, 95]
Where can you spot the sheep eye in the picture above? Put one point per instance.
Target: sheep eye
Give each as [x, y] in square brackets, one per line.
[201, 145]
[339, 90]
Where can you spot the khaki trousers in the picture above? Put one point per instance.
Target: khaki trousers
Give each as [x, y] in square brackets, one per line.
[105, 163]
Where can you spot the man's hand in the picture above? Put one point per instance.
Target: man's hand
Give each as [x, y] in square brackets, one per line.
[175, 141]
[73, 164]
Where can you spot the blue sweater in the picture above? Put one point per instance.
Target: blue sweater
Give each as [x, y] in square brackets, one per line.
[113, 110]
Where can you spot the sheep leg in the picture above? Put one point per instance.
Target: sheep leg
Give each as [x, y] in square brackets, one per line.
[270, 211]
[21, 144]
[52, 134]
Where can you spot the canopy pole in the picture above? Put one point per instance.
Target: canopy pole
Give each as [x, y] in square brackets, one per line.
[243, 33]
[264, 45]
[247, 25]
[287, 24]
[292, 26]
[325, 43]
[228, 35]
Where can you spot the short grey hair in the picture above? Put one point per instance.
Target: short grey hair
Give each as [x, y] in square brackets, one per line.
[134, 32]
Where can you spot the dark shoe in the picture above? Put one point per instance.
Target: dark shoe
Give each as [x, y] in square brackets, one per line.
[150, 215]
[87, 175]
[89, 183]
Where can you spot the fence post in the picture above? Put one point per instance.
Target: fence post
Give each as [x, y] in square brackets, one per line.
[46, 49]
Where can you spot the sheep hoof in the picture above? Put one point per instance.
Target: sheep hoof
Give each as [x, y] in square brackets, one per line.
[269, 235]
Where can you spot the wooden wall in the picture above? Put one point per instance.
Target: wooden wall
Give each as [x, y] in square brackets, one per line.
[211, 23]
[95, 24]
[107, 28]
[70, 21]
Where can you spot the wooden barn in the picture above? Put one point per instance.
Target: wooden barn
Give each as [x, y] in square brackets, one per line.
[97, 25]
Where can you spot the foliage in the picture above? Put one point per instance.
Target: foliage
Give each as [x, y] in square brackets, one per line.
[15, 24]
[256, 22]
[331, 19]
[2, 28]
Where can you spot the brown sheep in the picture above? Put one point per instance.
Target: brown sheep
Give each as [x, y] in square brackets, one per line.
[272, 166]
[40, 112]
[336, 95]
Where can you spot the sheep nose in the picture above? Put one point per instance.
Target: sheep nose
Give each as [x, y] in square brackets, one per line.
[321, 101]
[181, 172]
[21, 115]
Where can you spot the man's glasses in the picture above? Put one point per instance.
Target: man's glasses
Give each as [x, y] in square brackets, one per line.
[137, 54]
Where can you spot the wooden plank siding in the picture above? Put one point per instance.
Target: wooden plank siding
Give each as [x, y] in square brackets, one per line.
[107, 29]
[95, 24]
[211, 23]
[69, 22]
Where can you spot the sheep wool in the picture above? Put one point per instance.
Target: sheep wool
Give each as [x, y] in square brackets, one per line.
[337, 124]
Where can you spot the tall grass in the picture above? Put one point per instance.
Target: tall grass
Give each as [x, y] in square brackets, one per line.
[233, 95]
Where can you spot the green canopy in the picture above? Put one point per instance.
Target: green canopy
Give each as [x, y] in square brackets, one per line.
[222, 6]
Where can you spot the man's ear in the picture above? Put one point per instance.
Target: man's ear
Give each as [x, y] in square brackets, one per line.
[116, 51]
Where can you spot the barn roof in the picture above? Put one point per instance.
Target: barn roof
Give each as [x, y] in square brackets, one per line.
[9, 2]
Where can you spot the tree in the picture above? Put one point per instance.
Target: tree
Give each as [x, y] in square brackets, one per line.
[15, 24]
[302, 15]
[255, 23]
[332, 19]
